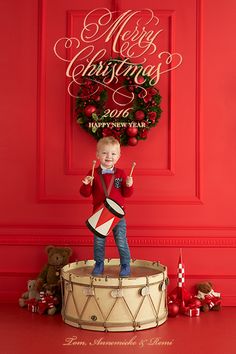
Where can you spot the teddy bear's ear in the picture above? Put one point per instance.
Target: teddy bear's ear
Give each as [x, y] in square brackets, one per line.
[49, 248]
[68, 251]
[210, 283]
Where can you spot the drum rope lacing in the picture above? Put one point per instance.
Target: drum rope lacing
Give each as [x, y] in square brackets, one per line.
[162, 289]
[69, 286]
[118, 294]
[74, 300]
[90, 295]
[151, 301]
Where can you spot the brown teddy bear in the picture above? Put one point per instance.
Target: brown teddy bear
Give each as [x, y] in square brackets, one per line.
[58, 257]
[30, 294]
[210, 299]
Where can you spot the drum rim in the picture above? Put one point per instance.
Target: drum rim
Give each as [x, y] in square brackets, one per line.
[161, 271]
[114, 212]
[94, 231]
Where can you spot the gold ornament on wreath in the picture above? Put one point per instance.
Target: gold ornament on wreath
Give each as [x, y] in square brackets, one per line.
[133, 121]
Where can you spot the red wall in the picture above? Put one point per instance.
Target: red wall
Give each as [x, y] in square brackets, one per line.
[185, 176]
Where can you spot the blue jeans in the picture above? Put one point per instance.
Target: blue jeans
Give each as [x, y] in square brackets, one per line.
[119, 233]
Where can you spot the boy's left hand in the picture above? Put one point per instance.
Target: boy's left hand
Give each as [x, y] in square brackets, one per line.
[129, 181]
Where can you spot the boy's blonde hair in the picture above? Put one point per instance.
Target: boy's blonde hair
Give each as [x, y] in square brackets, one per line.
[108, 140]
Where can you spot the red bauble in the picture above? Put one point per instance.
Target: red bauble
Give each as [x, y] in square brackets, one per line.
[139, 115]
[173, 309]
[143, 134]
[152, 116]
[106, 132]
[147, 98]
[89, 110]
[152, 91]
[140, 79]
[132, 131]
[132, 141]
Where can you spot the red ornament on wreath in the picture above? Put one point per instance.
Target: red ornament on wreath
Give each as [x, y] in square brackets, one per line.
[139, 115]
[132, 141]
[132, 131]
[152, 116]
[143, 133]
[129, 122]
[89, 110]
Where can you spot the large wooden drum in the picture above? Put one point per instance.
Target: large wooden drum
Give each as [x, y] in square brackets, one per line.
[110, 303]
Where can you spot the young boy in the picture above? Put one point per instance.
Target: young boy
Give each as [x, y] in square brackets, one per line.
[108, 153]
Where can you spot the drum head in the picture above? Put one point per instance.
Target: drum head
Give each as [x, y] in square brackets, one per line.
[114, 207]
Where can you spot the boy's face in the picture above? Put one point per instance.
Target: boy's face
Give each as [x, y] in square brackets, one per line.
[108, 155]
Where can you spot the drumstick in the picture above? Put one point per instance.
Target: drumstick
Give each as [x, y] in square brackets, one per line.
[94, 163]
[132, 168]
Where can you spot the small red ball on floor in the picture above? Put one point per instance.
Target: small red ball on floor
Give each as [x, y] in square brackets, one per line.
[173, 309]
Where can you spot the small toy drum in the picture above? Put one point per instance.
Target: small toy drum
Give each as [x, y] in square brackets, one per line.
[104, 219]
[110, 303]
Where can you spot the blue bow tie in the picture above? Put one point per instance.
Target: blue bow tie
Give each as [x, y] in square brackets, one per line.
[107, 171]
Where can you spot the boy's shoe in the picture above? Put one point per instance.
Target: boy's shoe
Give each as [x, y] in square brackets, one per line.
[124, 270]
[98, 268]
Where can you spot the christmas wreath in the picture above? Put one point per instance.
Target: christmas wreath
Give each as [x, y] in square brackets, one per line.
[128, 125]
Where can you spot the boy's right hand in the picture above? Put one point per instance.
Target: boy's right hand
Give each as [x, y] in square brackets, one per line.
[87, 180]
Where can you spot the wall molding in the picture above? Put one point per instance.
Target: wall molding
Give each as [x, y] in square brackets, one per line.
[43, 195]
[24, 228]
[144, 241]
[137, 227]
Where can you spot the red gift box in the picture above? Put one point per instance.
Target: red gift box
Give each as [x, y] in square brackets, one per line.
[32, 305]
[194, 312]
